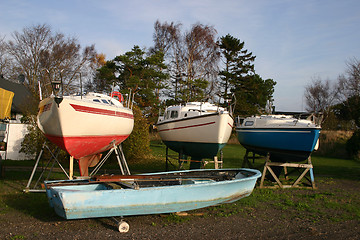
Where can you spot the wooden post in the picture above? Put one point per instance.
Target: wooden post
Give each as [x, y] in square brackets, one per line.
[71, 173]
[216, 163]
[264, 171]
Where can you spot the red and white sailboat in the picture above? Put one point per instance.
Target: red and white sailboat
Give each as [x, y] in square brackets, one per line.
[85, 126]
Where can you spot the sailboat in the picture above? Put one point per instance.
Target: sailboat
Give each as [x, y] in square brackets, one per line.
[85, 125]
[196, 129]
[286, 138]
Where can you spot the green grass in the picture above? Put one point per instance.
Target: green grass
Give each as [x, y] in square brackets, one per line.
[233, 155]
[336, 167]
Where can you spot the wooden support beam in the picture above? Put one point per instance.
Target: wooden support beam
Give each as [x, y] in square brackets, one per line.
[71, 170]
[308, 167]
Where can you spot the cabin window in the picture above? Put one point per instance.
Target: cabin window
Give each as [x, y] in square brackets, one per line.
[174, 114]
[249, 123]
[167, 114]
[96, 100]
[104, 101]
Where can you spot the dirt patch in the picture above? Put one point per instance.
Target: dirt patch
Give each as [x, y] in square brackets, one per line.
[267, 214]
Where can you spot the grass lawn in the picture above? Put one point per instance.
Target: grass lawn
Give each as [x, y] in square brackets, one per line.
[233, 155]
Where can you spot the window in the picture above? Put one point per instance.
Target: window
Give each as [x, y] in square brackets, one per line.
[174, 114]
[249, 123]
[104, 101]
[96, 100]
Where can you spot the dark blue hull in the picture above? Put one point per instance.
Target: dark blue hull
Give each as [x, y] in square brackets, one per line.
[283, 144]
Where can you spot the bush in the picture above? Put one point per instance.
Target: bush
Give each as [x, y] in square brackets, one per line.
[353, 145]
[34, 139]
[137, 145]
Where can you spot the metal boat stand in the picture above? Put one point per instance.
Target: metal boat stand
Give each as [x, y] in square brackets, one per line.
[119, 155]
[308, 167]
[124, 169]
[246, 162]
[181, 159]
[52, 159]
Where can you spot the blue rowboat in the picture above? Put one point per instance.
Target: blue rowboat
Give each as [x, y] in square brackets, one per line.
[164, 192]
[284, 137]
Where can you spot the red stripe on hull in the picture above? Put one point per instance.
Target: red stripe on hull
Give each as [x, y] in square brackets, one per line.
[101, 111]
[190, 126]
[79, 147]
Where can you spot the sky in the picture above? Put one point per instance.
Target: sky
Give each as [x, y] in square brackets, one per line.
[294, 41]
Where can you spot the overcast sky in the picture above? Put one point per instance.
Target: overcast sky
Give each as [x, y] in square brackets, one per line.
[293, 41]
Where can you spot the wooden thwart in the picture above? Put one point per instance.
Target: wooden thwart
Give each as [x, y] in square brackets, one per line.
[308, 167]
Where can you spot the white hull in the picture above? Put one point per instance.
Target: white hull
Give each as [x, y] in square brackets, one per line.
[210, 128]
[82, 127]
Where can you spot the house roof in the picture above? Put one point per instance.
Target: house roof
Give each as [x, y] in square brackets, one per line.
[21, 94]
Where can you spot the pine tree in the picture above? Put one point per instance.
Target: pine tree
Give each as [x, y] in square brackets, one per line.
[238, 77]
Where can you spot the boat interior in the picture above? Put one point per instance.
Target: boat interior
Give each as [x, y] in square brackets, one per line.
[109, 182]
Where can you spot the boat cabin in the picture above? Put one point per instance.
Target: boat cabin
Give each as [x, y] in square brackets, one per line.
[273, 121]
[191, 109]
[99, 99]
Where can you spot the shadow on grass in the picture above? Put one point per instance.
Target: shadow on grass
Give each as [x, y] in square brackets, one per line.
[33, 204]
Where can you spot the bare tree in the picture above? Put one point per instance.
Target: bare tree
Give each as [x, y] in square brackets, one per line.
[5, 65]
[40, 54]
[349, 90]
[168, 39]
[192, 58]
[320, 95]
[201, 56]
[349, 84]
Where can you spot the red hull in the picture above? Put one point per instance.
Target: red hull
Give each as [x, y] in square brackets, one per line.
[79, 147]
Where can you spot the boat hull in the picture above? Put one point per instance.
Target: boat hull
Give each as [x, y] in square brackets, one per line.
[283, 144]
[84, 128]
[202, 136]
[96, 200]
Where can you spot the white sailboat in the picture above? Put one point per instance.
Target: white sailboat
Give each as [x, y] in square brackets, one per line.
[85, 126]
[197, 129]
